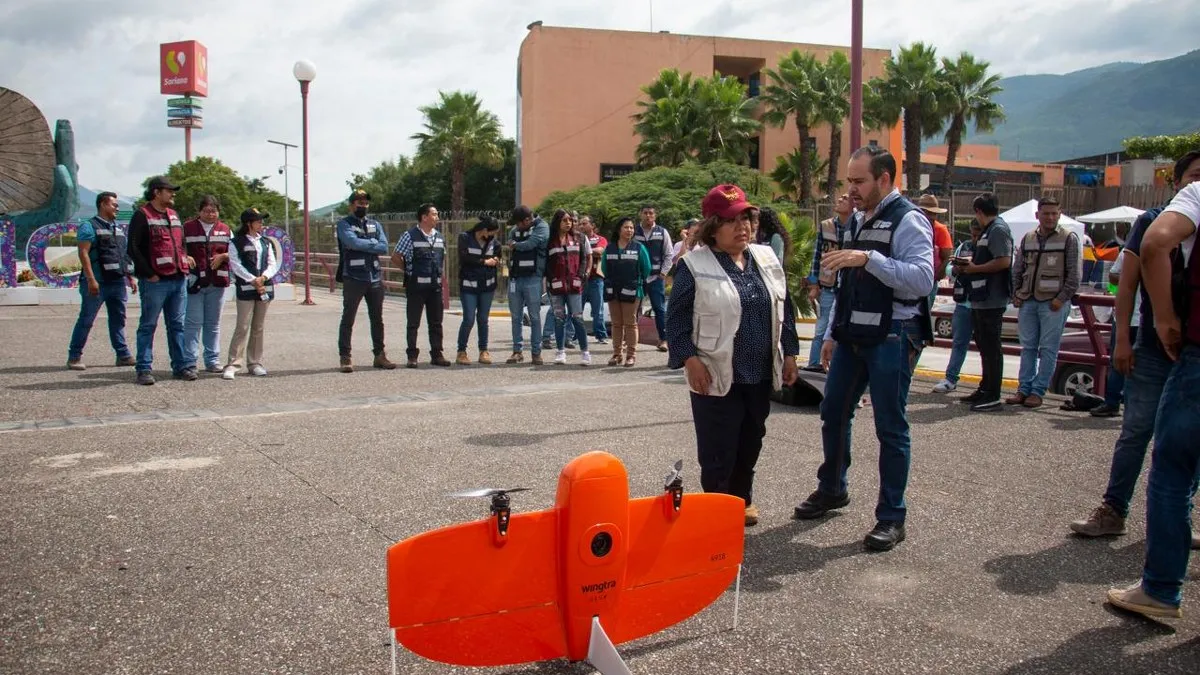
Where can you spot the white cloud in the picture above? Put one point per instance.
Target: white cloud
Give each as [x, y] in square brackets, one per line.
[95, 62]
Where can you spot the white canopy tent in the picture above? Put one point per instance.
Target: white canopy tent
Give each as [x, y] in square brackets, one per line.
[1119, 214]
[1023, 218]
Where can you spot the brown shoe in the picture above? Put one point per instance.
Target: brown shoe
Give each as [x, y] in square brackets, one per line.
[630, 361]
[1033, 401]
[662, 346]
[76, 365]
[1134, 599]
[1103, 522]
[462, 359]
[751, 515]
[616, 360]
[516, 357]
[485, 358]
[440, 360]
[1016, 399]
[347, 365]
[127, 361]
[381, 361]
[537, 360]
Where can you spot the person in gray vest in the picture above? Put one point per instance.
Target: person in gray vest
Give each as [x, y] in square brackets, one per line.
[657, 241]
[421, 254]
[253, 263]
[106, 273]
[879, 324]
[1046, 272]
[821, 282]
[526, 271]
[361, 240]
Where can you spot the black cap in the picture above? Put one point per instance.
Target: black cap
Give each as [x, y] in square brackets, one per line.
[161, 183]
[519, 214]
[253, 214]
[359, 194]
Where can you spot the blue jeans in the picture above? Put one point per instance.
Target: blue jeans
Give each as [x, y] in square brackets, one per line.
[1041, 332]
[1174, 468]
[887, 369]
[1143, 390]
[568, 308]
[548, 322]
[960, 326]
[204, 311]
[112, 296]
[525, 293]
[593, 294]
[169, 297]
[656, 291]
[825, 304]
[476, 307]
[1114, 384]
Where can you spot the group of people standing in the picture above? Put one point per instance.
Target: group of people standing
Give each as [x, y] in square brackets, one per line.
[182, 271]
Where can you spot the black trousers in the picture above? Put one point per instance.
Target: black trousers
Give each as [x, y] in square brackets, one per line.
[428, 300]
[987, 324]
[729, 434]
[353, 292]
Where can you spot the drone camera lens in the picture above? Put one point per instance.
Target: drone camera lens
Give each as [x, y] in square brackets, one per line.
[602, 544]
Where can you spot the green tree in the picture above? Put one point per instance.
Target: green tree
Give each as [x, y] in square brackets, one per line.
[787, 171]
[705, 119]
[209, 176]
[726, 128]
[793, 93]
[1167, 147]
[834, 90]
[460, 131]
[401, 185]
[969, 99]
[914, 85]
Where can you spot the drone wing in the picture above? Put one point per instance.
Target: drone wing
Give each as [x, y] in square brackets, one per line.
[456, 597]
[678, 566]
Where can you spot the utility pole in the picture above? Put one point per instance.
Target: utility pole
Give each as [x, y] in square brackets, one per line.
[287, 226]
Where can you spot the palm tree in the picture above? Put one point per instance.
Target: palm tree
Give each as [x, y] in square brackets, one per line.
[788, 171]
[914, 85]
[666, 122]
[969, 93]
[724, 116]
[460, 131]
[792, 94]
[835, 107]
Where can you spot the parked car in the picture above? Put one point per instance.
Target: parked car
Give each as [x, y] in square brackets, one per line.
[943, 312]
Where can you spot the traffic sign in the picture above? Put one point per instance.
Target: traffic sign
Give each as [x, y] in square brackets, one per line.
[184, 112]
[185, 102]
[186, 123]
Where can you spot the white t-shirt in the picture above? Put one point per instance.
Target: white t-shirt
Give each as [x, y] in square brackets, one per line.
[1187, 204]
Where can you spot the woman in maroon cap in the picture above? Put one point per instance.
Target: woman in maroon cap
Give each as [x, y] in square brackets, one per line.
[731, 326]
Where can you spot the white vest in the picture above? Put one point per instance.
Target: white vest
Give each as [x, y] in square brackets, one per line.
[717, 313]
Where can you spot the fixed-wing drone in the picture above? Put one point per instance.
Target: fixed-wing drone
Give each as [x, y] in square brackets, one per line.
[596, 570]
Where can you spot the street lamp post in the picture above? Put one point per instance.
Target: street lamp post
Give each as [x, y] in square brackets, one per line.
[287, 223]
[856, 83]
[305, 73]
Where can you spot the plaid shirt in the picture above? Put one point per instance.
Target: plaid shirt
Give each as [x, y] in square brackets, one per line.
[815, 272]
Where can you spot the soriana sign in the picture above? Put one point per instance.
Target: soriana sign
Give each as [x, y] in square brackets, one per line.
[183, 68]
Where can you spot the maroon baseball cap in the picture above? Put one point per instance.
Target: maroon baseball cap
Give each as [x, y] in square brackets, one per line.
[724, 201]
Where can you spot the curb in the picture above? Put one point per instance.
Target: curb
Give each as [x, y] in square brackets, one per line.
[506, 313]
[937, 375]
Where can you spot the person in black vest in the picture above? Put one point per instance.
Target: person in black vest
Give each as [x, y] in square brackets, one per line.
[657, 241]
[361, 240]
[625, 266]
[421, 255]
[879, 324]
[106, 270]
[478, 258]
[254, 264]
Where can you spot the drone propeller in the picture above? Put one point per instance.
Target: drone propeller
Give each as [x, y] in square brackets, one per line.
[675, 475]
[486, 492]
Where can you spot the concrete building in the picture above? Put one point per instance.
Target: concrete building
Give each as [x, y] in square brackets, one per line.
[977, 167]
[578, 88]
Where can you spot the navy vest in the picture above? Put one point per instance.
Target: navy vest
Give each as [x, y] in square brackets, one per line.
[655, 244]
[473, 275]
[979, 285]
[359, 265]
[864, 303]
[428, 259]
[621, 282]
[522, 263]
[110, 250]
[255, 263]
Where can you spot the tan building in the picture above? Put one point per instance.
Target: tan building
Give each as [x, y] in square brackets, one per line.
[578, 88]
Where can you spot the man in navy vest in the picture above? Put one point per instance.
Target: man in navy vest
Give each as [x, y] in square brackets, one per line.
[421, 254]
[657, 241]
[878, 325]
[106, 270]
[361, 240]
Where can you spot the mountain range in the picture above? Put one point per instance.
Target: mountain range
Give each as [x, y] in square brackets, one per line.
[1089, 112]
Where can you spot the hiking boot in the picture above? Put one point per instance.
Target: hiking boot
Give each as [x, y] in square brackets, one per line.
[485, 358]
[462, 359]
[126, 361]
[944, 387]
[411, 363]
[751, 515]
[616, 360]
[818, 504]
[381, 361]
[76, 365]
[1103, 522]
[516, 357]
[1016, 399]
[347, 365]
[145, 377]
[630, 360]
[187, 375]
[537, 360]
[1033, 401]
[1134, 599]
[571, 344]
[546, 344]
[439, 360]
[1105, 410]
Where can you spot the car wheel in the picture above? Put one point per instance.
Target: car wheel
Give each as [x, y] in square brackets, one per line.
[944, 328]
[1075, 378]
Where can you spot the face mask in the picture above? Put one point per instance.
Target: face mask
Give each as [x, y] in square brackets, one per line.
[360, 212]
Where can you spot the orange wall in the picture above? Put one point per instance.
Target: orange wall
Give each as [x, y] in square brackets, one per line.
[579, 89]
[967, 151]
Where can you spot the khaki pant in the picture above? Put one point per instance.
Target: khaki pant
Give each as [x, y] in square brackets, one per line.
[250, 317]
[624, 326]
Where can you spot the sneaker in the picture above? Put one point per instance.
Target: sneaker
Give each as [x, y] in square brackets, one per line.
[1105, 410]
[987, 405]
[462, 359]
[560, 357]
[213, 368]
[258, 371]
[571, 344]
[187, 375]
[126, 361]
[485, 358]
[381, 361]
[1134, 599]
[601, 341]
[1104, 521]
[944, 387]
[231, 372]
[145, 377]
[347, 365]
[751, 515]
[76, 365]
[974, 397]
[516, 357]
[585, 359]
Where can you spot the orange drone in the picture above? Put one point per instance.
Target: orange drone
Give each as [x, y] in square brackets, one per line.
[596, 570]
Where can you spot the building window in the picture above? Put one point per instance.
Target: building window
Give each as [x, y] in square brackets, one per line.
[873, 143]
[614, 171]
[755, 84]
[755, 159]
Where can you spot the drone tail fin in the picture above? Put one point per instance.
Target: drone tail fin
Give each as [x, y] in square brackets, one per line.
[602, 654]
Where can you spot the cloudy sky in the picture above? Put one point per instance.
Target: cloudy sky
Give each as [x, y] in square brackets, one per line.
[95, 62]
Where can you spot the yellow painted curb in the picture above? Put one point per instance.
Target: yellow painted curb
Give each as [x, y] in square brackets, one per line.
[972, 379]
